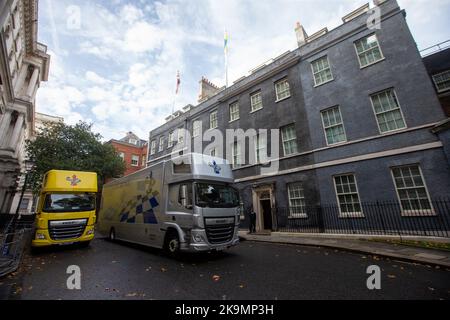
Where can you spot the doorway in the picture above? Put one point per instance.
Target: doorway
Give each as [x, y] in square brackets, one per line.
[266, 214]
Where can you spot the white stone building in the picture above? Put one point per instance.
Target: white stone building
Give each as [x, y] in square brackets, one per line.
[24, 63]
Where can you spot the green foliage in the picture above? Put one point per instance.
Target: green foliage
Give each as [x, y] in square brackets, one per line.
[65, 147]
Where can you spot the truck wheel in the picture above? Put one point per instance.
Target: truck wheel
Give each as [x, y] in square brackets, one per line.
[172, 243]
[85, 244]
[112, 235]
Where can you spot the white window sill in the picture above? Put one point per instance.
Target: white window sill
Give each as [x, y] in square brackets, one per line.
[336, 143]
[253, 111]
[351, 215]
[418, 213]
[233, 120]
[370, 64]
[279, 100]
[321, 84]
[298, 216]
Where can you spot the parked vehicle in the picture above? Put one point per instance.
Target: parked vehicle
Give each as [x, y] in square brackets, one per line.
[66, 209]
[185, 204]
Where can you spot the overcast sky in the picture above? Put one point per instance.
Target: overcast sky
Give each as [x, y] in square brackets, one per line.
[116, 65]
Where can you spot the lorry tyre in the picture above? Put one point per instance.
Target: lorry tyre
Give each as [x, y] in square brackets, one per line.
[172, 243]
[85, 244]
[112, 235]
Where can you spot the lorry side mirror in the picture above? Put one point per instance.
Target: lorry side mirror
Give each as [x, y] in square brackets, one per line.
[184, 197]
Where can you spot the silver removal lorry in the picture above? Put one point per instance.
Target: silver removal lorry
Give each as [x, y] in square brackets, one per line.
[185, 204]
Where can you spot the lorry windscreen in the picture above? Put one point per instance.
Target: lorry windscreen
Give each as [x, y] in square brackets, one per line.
[215, 196]
[69, 202]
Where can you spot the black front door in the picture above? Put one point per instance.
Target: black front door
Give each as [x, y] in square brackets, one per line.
[267, 214]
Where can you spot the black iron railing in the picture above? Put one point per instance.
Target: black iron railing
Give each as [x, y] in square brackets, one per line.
[376, 218]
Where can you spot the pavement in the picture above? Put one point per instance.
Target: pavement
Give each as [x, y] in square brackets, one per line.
[250, 270]
[434, 257]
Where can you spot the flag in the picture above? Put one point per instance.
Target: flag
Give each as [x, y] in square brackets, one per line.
[178, 82]
[225, 42]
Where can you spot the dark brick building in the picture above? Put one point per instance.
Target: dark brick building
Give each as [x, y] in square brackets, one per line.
[355, 107]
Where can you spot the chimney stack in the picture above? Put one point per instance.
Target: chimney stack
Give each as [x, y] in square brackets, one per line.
[207, 89]
[301, 34]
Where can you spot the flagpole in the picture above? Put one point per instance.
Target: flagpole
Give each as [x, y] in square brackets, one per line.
[225, 48]
[176, 91]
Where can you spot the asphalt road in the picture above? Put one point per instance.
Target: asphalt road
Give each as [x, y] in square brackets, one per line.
[249, 271]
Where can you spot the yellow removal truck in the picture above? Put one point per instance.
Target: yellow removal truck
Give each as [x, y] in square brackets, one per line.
[66, 209]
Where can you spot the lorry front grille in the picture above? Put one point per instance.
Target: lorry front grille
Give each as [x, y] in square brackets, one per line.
[66, 229]
[219, 230]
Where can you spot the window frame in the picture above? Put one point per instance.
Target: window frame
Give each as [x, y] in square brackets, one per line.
[161, 145]
[324, 128]
[131, 162]
[329, 67]
[357, 54]
[258, 149]
[231, 105]
[347, 214]
[195, 129]
[283, 141]
[216, 119]
[170, 140]
[399, 108]
[436, 85]
[277, 99]
[258, 92]
[153, 147]
[233, 155]
[302, 215]
[418, 212]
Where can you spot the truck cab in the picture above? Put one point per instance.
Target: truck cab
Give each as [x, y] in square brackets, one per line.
[66, 208]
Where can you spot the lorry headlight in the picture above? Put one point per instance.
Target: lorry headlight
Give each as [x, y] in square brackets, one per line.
[89, 232]
[40, 236]
[197, 237]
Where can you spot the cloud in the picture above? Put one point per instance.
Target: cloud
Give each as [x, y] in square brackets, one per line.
[119, 69]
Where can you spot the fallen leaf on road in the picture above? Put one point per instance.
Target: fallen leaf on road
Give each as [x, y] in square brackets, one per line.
[326, 253]
[241, 286]
[392, 276]
[216, 277]
[431, 289]
[30, 288]
[114, 261]
[163, 269]
[134, 294]
[201, 275]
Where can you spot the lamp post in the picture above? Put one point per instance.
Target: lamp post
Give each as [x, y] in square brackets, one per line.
[11, 229]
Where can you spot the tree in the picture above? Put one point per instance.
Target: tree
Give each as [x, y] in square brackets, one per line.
[64, 147]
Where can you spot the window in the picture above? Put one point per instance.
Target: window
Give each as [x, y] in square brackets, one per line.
[196, 128]
[134, 160]
[442, 81]
[289, 139]
[321, 71]
[79, 202]
[368, 51]
[333, 126]
[171, 140]
[260, 148]
[180, 134]
[282, 89]
[347, 195]
[297, 208]
[24, 204]
[234, 111]
[387, 111]
[122, 155]
[153, 147]
[144, 160]
[411, 190]
[256, 101]
[132, 141]
[161, 144]
[236, 154]
[213, 120]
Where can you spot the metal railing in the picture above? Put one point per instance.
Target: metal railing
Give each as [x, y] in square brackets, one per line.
[14, 235]
[435, 48]
[376, 218]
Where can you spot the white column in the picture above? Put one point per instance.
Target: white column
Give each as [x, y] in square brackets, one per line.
[17, 131]
[5, 121]
[20, 80]
[33, 82]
